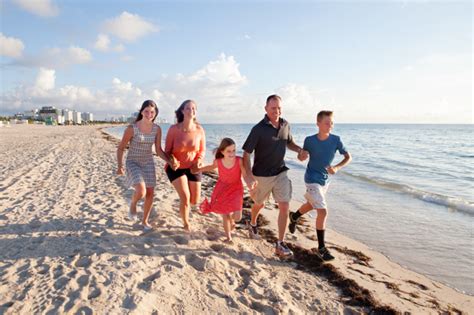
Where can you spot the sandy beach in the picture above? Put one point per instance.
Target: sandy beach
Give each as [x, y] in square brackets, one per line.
[66, 246]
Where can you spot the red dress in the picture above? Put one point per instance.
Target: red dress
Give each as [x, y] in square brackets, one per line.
[228, 193]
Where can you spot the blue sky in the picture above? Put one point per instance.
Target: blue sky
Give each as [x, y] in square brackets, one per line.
[370, 62]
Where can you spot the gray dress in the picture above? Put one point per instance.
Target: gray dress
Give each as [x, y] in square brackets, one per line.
[140, 165]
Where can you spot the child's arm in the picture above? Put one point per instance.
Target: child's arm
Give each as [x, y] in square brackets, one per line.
[248, 178]
[334, 169]
[206, 168]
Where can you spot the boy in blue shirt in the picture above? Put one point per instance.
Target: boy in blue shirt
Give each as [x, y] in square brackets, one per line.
[322, 148]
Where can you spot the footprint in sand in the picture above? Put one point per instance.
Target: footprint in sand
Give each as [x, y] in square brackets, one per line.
[181, 240]
[212, 234]
[173, 263]
[217, 247]
[85, 311]
[129, 302]
[83, 280]
[196, 262]
[94, 293]
[61, 283]
[148, 281]
[246, 277]
[83, 262]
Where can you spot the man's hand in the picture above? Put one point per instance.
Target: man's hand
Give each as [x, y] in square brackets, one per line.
[303, 155]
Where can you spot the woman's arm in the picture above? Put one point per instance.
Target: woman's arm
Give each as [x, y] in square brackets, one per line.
[127, 136]
[202, 149]
[170, 139]
[159, 150]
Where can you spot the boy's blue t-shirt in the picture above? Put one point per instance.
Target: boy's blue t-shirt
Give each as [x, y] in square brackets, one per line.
[321, 155]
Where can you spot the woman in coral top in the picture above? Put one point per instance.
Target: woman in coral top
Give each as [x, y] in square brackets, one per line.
[186, 142]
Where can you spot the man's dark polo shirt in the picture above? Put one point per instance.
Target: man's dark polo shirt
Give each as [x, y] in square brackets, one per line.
[269, 144]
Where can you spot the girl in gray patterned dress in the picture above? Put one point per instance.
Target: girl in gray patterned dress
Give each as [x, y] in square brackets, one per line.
[140, 166]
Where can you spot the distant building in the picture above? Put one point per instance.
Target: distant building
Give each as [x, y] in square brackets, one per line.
[77, 118]
[68, 116]
[87, 117]
[31, 114]
[49, 113]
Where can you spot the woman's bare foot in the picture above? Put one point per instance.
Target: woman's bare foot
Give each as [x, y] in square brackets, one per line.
[229, 241]
[147, 227]
[132, 212]
[187, 227]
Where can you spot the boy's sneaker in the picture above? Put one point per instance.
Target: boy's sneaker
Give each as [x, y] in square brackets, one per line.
[292, 225]
[253, 232]
[324, 254]
[282, 250]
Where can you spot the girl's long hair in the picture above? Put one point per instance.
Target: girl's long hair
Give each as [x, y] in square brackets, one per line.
[147, 103]
[224, 144]
[179, 111]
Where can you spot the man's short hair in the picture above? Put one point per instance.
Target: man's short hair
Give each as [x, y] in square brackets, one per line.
[273, 97]
[323, 114]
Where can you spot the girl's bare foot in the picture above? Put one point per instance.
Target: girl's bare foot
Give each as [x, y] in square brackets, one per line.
[229, 241]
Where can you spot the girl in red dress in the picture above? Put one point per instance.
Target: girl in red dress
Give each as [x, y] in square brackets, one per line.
[228, 193]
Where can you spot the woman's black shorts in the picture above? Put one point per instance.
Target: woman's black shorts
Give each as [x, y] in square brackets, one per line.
[172, 175]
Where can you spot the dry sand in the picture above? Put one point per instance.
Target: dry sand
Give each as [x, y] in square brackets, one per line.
[66, 246]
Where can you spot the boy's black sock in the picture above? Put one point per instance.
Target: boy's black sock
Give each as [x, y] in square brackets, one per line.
[296, 215]
[320, 234]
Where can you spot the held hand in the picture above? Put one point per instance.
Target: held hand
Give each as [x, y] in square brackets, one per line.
[252, 185]
[195, 168]
[332, 170]
[174, 163]
[120, 170]
[303, 155]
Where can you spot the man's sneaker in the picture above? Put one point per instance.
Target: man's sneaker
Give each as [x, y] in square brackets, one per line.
[253, 232]
[324, 254]
[282, 250]
[292, 225]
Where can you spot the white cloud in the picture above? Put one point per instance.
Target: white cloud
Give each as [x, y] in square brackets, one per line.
[45, 81]
[78, 55]
[10, 46]
[434, 89]
[215, 87]
[43, 8]
[129, 27]
[119, 97]
[299, 102]
[127, 87]
[103, 44]
[57, 58]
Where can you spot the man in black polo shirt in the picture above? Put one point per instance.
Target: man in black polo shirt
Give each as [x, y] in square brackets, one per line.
[269, 139]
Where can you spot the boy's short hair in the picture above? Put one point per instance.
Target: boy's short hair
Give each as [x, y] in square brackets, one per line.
[273, 97]
[323, 114]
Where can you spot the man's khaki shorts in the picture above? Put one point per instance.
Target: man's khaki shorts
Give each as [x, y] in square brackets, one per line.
[279, 186]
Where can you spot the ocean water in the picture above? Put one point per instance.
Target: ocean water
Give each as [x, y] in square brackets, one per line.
[408, 193]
